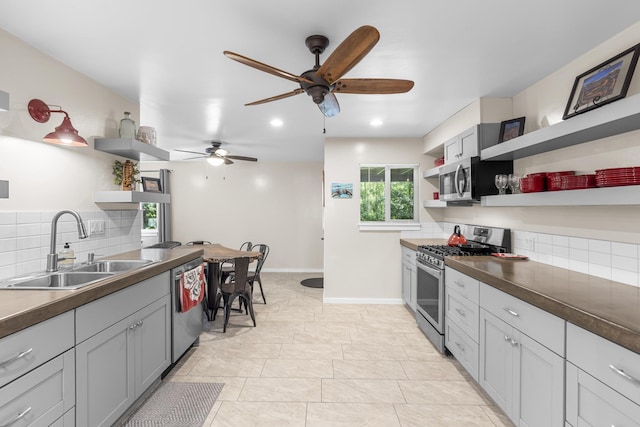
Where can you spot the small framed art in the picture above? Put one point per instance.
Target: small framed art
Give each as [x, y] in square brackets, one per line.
[510, 129]
[151, 185]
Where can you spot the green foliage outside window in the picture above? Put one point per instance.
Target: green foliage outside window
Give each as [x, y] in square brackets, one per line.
[374, 181]
[149, 216]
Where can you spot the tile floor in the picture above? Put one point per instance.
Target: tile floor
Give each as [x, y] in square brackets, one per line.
[312, 364]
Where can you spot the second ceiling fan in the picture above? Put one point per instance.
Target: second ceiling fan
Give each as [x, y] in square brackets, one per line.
[216, 155]
[322, 82]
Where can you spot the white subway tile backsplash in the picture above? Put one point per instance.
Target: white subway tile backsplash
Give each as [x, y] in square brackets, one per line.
[599, 258]
[560, 251]
[545, 248]
[623, 276]
[560, 241]
[28, 230]
[624, 249]
[602, 246]
[28, 242]
[579, 266]
[545, 238]
[8, 231]
[28, 218]
[579, 243]
[578, 255]
[8, 218]
[600, 271]
[624, 263]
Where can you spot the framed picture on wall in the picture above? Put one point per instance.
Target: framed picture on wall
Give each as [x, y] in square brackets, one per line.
[602, 84]
[151, 185]
[510, 129]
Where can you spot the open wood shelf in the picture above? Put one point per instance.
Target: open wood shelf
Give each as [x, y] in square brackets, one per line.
[611, 196]
[130, 148]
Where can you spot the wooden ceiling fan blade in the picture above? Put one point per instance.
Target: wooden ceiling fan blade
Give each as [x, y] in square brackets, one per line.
[249, 159]
[191, 158]
[330, 106]
[264, 67]
[349, 53]
[373, 86]
[277, 97]
[191, 152]
[227, 161]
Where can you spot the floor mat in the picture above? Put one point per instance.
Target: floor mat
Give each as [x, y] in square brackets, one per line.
[176, 404]
[317, 282]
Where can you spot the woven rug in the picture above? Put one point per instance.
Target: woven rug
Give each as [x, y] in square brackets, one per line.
[317, 282]
[176, 404]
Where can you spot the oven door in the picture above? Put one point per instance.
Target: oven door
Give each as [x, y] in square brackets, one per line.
[430, 295]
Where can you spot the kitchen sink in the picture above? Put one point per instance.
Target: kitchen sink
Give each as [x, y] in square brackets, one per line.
[113, 265]
[56, 280]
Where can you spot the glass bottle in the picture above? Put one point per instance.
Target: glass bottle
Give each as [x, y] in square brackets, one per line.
[127, 126]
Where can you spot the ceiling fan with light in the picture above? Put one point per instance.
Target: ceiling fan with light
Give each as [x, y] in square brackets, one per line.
[216, 155]
[322, 82]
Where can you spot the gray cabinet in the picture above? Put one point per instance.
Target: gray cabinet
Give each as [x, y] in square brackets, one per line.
[470, 142]
[123, 347]
[409, 277]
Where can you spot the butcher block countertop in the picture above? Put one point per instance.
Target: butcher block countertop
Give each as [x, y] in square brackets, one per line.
[606, 308]
[22, 308]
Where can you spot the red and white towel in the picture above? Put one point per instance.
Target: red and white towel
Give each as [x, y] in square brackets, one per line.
[192, 288]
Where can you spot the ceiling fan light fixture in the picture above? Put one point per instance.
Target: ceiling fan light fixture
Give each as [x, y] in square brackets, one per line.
[317, 93]
[221, 152]
[215, 160]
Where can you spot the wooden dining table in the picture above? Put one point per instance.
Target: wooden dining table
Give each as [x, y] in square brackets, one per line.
[214, 255]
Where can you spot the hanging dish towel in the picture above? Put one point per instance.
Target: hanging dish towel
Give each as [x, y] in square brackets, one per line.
[192, 286]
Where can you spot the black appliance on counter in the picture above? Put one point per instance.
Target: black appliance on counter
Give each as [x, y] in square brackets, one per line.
[470, 179]
[430, 285]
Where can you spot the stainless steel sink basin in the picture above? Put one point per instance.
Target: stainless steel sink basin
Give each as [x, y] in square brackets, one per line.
[114, 265]
[57, 280]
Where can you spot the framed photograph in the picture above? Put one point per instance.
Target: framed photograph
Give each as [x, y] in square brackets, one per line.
[151, 185]
[510, 129]
[341, 191]
[602, 84]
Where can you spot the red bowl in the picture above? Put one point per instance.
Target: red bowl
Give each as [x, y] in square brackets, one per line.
[533, 184]
[439, 162]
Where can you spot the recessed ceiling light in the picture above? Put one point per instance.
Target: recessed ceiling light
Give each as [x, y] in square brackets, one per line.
[376, 122]
[276, 123]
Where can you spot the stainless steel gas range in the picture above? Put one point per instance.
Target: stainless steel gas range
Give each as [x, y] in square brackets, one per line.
[431, 285]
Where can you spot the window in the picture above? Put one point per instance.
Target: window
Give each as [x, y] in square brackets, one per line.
[388, 195]
[149, 216]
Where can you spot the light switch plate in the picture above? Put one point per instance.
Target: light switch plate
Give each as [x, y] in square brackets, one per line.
[96, 227]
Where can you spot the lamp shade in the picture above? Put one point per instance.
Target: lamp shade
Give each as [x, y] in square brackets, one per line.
[215, 160]
[66, 134]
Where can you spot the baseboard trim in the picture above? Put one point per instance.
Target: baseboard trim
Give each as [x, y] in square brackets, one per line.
[395, 301]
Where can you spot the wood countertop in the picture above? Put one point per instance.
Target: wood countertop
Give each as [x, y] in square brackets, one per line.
[21, 308]
[604, 307]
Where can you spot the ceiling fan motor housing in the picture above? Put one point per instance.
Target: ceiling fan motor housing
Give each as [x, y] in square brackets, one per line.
[316, 90]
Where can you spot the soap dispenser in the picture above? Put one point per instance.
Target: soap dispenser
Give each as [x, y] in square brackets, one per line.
[65, 257]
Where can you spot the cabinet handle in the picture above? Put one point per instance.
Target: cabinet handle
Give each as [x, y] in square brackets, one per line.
[514, 342]
[511, 312]
[624, 374]
[459, 346]
[510, 340]
[507, 338]
[14, 358]
[16, 419]
[461, 312]
[461, 284]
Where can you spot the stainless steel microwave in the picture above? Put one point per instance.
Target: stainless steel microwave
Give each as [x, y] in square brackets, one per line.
[471, 178]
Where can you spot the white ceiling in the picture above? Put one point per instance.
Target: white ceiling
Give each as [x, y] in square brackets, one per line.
[168, 56]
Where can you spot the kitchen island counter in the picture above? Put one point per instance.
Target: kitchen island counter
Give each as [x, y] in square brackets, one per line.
[606, 308]
[22, 308]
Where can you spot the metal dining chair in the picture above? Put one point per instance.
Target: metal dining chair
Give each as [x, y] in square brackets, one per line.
[237, 287]
[255, 275]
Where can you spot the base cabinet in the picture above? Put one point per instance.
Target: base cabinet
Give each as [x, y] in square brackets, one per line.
[409, 277]
[115, 366]
[523, 377]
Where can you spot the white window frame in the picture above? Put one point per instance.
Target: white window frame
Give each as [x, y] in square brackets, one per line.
[388, 224]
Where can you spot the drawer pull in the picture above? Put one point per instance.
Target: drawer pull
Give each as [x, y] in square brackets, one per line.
[624, 374]
[461, 284]
[511, 312]
[461, 347]
[461, 312]
[510, 340]
[14, 358]
[16, 419]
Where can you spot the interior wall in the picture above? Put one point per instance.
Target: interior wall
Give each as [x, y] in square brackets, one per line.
[363, 266]
[277, 203]
[45, 176]
[543, 104]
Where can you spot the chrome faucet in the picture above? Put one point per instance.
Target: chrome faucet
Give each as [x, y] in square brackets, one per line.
[52, 257]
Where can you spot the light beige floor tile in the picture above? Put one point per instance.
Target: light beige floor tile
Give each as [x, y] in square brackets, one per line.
[243, 414]
[297, 368]
[279, 325]
[214, 411]
[498, 417]
[370, 369]
[335, 327]
[344, 309]
[322, 337]
[230, 391]
[228, 368]
[373, 352]
[361, 391]
[282, 316]
[267, 336]
[337, 317]
[380, 338]
[439, 393]
[423, 353]
[442, 416]
[245, 350]
[311, 351]
[399, 328]
[383, 317]
[434, 371]
[351, 415]
[281, 390]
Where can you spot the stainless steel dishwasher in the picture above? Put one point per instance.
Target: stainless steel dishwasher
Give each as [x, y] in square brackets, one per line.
[185, 327]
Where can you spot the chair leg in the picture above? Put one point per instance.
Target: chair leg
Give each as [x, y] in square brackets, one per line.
[216, 305]
[228, 300]
[261, 291]
[249, 304]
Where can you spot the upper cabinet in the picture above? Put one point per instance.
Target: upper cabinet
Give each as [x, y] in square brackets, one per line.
[130, 148]
[470, 142]
[612, 119]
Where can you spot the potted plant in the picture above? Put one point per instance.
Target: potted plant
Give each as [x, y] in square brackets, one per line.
[125, 174]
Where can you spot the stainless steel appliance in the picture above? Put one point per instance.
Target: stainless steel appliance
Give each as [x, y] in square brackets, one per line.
[471, 178]
[185, 327]
[430, 285]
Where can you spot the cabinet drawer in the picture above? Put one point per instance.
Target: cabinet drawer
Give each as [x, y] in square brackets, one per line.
[408, 255]
[544, 327]
[601, 358]
[41, 396]
[31, 347]
[100, 314]
[590, 402]
[463, 313]
[462, 284]
[462, 347]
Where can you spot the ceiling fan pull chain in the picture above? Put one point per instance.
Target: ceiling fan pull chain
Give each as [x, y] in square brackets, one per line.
[324, 124]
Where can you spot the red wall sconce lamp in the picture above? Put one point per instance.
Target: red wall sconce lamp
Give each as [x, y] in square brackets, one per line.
[65, 134]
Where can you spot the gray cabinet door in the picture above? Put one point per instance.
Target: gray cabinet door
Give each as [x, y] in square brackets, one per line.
[469, 143]
[104, 372]
[538, 398]
[496, 360]
[452, 150]
[152, 338]
[406, 283]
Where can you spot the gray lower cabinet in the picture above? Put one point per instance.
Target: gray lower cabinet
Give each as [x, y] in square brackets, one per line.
[523, 377]
[125, 347]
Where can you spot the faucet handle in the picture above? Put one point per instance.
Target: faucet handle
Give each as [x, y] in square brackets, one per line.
[91, 257]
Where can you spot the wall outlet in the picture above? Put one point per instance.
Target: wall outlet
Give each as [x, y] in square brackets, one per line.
[530, 244]
[96, 227]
